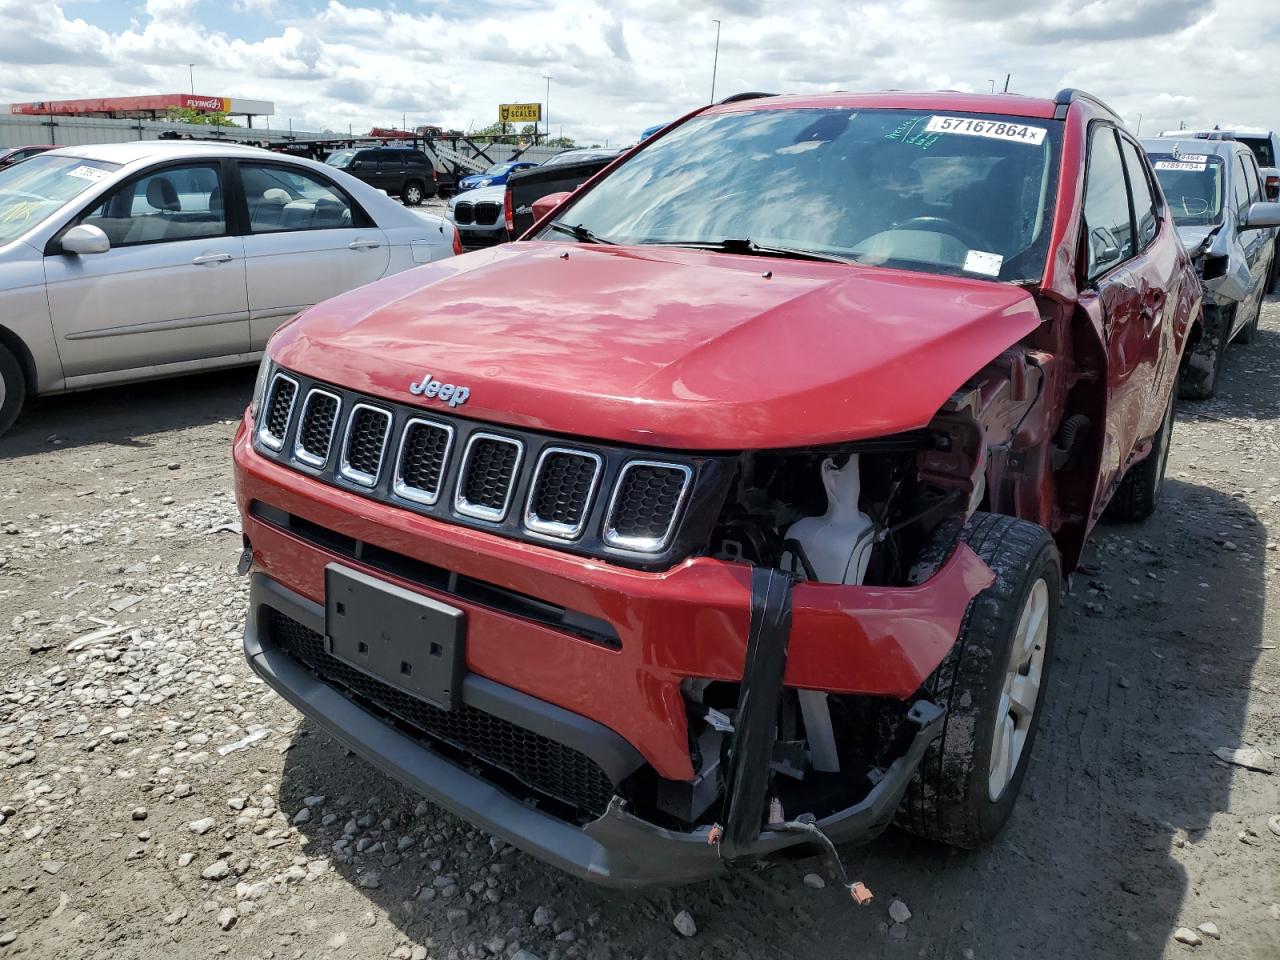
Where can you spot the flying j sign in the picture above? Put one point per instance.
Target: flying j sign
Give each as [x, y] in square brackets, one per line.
[519, 112]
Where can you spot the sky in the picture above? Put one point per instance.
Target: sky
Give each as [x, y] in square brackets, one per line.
[618, 67]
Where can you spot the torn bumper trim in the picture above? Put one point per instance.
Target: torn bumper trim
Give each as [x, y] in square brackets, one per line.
[618, 849]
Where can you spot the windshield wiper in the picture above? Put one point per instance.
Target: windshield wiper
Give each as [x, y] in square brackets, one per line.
[580, 233]
[749, 247]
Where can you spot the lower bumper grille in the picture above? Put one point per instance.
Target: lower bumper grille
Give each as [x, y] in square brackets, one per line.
[542, 764]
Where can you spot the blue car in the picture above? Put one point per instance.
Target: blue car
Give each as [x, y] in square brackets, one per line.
[494, 176]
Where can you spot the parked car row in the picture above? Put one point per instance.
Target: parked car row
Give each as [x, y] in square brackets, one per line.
[128, 261]
[728, 510]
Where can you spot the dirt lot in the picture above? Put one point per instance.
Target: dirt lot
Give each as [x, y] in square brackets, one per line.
[160, 802]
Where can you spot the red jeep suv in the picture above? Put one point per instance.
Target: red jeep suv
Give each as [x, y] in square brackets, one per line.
[729, 510]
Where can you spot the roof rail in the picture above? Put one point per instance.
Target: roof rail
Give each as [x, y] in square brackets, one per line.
[752, 95]
[1069, 95]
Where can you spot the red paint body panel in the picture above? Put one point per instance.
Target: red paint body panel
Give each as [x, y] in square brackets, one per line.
[689, 621]
[666, 347]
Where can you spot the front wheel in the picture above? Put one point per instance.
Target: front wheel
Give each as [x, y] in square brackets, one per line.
[13, 389]
[992, 684]
[1204, 366]
[412, 194]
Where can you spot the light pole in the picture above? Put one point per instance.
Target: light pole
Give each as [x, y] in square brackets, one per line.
[191, 75]
[547, 104]
[715, 62]
[1138, 132]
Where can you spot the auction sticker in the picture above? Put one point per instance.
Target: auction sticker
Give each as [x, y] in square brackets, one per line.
[979, 261]
[88, 173]
[992, 129]
[1184, 164]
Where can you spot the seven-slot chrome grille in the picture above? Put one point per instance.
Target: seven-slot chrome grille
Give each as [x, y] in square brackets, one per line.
[587, 497]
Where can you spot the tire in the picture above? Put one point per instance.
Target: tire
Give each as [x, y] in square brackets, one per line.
[13, 389]
[1199, 381]
[956, 798]
[412, 193]
[1139, 492]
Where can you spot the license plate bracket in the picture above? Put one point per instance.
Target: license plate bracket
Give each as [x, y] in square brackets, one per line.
[402, 638]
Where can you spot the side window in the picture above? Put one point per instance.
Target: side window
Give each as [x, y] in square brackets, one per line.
[1106, 205]
[416, 160]
[1144, 202]
[366, 159]
[1240, 187]
[176, 203]
[284, 198]
[390, 161]
[1252, 177]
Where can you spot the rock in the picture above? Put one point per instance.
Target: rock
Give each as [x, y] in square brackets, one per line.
[371, 880]
[182, 791]
[51, 867]
[543, 916]
[1188, 936]
[1273, 825]
[899, 912]
[1251, 758]
[236, 803]
[418, 953]
[684, 924]
[138, 813]
[313, 801]
[8, 937]
[302, 816]
[184, 859]
[227, 917]
[814, 880]
[202, 826]
[177, 916]
[1210, 929]
[218, 870]
[525, 955]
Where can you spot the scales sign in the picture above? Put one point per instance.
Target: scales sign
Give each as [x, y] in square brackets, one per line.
[519, 112]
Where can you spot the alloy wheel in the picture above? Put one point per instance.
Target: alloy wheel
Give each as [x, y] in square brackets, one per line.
[1021, 691]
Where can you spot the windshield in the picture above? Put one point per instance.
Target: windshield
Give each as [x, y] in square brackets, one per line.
[1192, 184]
[32, 190]
[340, 158]
[497, 170]
[926, 191]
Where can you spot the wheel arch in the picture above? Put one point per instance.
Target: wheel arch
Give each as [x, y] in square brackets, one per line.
[22, 353]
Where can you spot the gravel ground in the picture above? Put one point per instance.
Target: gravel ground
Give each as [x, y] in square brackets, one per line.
[158, 801]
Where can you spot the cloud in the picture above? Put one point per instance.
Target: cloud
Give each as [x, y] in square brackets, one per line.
[621, 65]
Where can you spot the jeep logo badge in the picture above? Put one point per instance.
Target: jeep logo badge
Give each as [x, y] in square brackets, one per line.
[434, 389]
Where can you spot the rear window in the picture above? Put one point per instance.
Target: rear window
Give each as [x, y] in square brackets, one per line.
[1262, 149]
[1192, 184]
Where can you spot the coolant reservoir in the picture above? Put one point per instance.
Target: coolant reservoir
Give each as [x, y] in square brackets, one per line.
[838, 543]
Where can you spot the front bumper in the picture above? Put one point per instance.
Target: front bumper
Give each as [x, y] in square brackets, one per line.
[617, 849]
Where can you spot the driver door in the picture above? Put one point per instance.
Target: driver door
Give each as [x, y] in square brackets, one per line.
[170, 290]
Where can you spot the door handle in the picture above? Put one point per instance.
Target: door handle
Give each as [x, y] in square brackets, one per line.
[363, 244]
[208, 258]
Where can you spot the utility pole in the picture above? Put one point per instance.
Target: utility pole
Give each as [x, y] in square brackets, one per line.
[993, 85]
[715, 62]
[191, 75]
[1138, 132]
[547, 107]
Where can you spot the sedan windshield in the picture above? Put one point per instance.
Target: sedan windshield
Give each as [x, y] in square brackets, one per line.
[1192, 183]
[497, 170]
[32, 190]
[936, 192]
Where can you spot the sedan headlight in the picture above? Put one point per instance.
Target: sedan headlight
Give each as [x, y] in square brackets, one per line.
[483, 183]
[259, 386]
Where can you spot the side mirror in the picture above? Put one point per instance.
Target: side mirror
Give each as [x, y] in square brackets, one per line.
[85, 238]
[544, 205]
[1260, 215]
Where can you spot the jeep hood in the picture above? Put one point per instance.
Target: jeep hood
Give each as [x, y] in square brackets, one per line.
[665, 347]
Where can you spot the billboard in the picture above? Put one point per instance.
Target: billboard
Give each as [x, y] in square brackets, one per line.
[519, 112]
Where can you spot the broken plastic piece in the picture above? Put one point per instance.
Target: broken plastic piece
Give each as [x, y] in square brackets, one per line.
[776, 814]
[715, 834]
[718, 721]
[860, 893]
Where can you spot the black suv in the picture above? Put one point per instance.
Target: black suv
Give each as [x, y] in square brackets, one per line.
[401, 171]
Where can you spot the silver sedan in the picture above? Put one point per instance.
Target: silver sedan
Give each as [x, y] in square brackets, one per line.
[130, 261]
